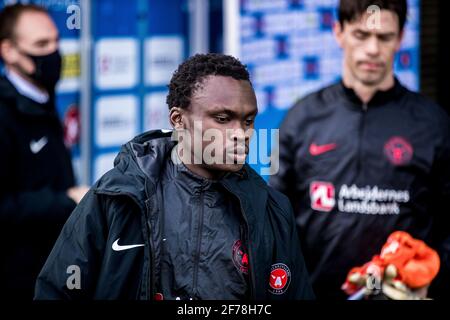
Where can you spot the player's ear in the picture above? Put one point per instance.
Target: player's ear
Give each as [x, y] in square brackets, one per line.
[176, 118]
[8, 52]
[338, 31]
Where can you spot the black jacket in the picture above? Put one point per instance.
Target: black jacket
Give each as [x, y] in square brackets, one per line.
[124, 204]
[35, 173]
[355, 173]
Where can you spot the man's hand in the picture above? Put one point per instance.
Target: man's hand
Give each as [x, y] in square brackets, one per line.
[77, 193]
[403, 291]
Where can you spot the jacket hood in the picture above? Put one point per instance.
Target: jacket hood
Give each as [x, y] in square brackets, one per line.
[148, 150]
[139, 163]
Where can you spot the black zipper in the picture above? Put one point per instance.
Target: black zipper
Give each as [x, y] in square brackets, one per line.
[151, 284]
[250, 255]
[199, 243]
[360, 138]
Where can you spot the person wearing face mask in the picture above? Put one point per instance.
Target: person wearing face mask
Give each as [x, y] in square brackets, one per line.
[37, 191]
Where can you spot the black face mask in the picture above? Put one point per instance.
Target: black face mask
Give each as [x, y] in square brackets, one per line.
[47, 69]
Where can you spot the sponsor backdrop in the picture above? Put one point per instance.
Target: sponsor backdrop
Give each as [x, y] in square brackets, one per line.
[136, 45]
[290, 50]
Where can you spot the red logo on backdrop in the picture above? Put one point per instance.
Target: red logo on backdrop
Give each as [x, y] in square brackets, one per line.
[405, 59]
[280, 277]
[240, 256]
[322, 196]
[398, 151]
[105, 63]
[72, 126]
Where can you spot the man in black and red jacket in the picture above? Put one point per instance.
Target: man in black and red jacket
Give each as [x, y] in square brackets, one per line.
[365, 156]
[161, 225]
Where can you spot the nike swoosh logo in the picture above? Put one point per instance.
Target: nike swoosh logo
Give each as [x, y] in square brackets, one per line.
[316, 150]
[117, 247]
[37, 146]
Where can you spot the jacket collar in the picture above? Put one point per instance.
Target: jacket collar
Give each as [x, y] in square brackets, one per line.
[194, 182]
[381, 97]
[26, 88]
[25, 105]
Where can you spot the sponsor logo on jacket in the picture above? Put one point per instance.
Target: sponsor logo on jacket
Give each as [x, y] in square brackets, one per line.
[398, 151]
[240, 256]
[280, 278]
[353, 199]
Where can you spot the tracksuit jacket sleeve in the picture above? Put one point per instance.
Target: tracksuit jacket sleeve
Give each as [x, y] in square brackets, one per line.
[41, 206]
[71, 270]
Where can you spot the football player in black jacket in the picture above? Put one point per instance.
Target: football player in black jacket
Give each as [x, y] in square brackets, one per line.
[365, 156]
[168, 223]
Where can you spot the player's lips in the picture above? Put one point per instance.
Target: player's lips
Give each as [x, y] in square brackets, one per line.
[237, 158]
[371, 66]
[238, 154]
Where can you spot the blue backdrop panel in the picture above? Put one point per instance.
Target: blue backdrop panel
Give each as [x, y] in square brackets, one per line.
[137, 44]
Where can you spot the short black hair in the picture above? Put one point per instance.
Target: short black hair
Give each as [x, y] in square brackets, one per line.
[190, 74]
[11, 14]
[351, 10]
